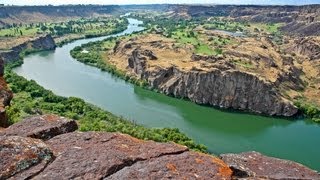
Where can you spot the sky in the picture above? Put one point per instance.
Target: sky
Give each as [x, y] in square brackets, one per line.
[59, 2]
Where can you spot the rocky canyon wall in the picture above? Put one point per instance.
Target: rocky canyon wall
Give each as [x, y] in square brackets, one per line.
[38, 43]
[223, 88]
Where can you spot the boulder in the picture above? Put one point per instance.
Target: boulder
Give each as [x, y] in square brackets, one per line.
[41, 127]
[258, 166]
[21, 153]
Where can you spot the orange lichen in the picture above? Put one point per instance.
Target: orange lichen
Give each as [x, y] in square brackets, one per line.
[199, 161]
[224, 170]
[172, 167]
[51, 117]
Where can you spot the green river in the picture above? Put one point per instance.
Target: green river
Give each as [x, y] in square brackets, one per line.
[220, 131]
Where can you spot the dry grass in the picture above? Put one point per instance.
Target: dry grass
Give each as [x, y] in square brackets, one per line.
[7, 43]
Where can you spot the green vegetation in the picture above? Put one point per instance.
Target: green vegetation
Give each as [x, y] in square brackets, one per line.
[270, 27]
[246, 64]
[223, 24]
[88, 27]
[30, 99]
[185, 33]
[310, 110]
[92, 54]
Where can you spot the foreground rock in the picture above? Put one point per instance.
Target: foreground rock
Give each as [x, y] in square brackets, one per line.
[103, 155]
[41, 127]
[94, 155]
[256, 165]
[77, 154]
[20, 153]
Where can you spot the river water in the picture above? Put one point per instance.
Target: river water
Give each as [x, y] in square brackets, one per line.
[220, 131]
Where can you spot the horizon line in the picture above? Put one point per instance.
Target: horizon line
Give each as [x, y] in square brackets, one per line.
[212, 4]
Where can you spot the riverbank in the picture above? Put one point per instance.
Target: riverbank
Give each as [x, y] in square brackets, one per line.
[97, 55]
[56, 34]
[30, 99]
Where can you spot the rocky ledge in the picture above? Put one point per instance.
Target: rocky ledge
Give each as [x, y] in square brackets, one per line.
[48, 147]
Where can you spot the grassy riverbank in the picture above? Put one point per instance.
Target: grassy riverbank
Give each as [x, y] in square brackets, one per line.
[93, 57]
[31, 99]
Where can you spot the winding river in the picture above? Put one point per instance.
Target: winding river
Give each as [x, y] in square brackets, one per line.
[220, 131]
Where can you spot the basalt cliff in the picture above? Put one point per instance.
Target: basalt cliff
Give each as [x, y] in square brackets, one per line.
[212, 80]
[30, 44]
[50, 147]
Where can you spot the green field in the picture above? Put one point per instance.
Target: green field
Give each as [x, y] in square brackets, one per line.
[94, 26]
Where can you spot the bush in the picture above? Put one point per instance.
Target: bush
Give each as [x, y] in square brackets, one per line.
[309, 110]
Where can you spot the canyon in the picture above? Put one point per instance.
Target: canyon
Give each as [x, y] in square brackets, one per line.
[252, 74]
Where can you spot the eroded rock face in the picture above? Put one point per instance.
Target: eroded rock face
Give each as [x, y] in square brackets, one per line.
[41, 127]
[39, 43]
[307, 47]
[257, 166]
[20, 153]
[223, 88]
[5, 97]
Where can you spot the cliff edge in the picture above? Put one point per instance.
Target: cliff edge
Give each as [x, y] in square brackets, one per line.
[236, 80]
[33, 44]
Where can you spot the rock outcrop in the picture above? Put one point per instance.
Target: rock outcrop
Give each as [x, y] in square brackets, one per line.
[257, 166]
[5, 97]
[103, 155]
[307, 47]
[218, 87]
[39, 43]
[41, 127]
[96, 155]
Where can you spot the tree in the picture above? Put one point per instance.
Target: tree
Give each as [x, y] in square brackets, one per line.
[44, 28]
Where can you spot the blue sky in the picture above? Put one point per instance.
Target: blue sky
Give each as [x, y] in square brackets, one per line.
[58, 2]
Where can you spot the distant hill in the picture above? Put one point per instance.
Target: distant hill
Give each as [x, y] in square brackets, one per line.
[35, 14]
[300, 20]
